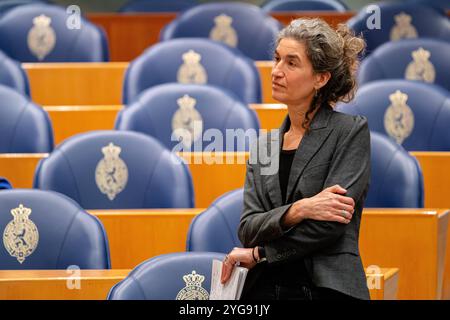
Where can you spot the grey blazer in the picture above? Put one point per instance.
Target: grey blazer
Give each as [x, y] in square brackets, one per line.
[336, 150]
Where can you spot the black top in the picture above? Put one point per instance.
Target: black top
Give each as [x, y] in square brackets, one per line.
[294, 273]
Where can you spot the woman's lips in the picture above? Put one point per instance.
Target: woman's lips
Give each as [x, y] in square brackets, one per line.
[277, 85]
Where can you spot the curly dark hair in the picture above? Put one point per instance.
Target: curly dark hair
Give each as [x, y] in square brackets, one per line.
[335, 51]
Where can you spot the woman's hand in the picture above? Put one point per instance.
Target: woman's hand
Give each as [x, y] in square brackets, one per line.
[243, 256]
[328, 205]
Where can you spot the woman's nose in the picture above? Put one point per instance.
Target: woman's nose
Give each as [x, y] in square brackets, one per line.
[276, 71]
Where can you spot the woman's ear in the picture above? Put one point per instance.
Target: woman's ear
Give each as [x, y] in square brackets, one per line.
[322, 79]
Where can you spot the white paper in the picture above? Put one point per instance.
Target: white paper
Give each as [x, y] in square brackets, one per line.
[232, 290]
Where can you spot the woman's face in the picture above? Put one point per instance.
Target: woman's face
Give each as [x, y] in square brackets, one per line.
[293, 79]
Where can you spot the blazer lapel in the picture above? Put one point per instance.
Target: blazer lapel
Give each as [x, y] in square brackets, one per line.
[310, 144]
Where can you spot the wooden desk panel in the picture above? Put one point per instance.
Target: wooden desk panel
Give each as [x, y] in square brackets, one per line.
[19, 168]
[412, 240]
[95, 284]
[137, 235]
[58, 284]
[76, 83]
[68, 121]
[383, 285]
[270, 116]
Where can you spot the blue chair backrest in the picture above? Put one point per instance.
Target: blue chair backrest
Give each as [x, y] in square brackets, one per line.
[398, 21]
[24, 126]
[45, 33]
[416, 59]
[178, 115]
[396, 177]
[238, 25]
[215, 229]
[4, 184]
[46, 230]
[175, 276]
[12, 75]
[304, 5]
[116, 170]
[6, 5]
[157, 5]
[197, 61]
[443, 5]
[415, 114]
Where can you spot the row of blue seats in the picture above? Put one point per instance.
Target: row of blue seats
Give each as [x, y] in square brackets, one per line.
[45, 33]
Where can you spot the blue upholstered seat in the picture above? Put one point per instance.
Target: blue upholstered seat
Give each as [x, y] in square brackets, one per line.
[398, 21]
[12, 75]
[24, 126]
[47, 33]
[197, 61]
[215, 229]
[157, 5]
[420, 59]
[47, 230]
[304, 5]
[116, 170]
[4, 184]
[239, 25]
[413, 113]
[170, 111]
[175, 276]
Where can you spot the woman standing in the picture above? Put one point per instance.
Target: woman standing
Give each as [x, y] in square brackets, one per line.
[300, 226]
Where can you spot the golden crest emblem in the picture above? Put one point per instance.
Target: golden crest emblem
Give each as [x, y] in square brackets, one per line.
[399, 118]
[403, 29]
[21, 236]
[41, 37]
[223, 31]
[193, 289]
[420, 68]
[191, 71]
[187, 123]
[111, 173]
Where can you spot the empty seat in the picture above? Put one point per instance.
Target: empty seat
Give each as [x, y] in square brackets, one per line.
[196, 61]
[238, 25]
[116, 170]
[176, 276]
[46, 33]
[12, 75]
[4, 184]
[24, 126]
[386, 22]
[416, 59]
[304, 5]
[47, 230]
[182, 115]
[414, 114]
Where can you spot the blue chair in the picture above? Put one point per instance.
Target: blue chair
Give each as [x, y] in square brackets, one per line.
[443, 5]
[197, 61]
[396, 182]
[175, 276]
[24, 126]
[12, 75]
[400, 21]
[6, 5]
[416, 59]
[4, 184]
[157, 5]
[414, 114]
[178, 115]
[238, 25]
[304, 5]
[46, 230]
[116, 170]
[215, 229]
[40, 33]
[396, 177]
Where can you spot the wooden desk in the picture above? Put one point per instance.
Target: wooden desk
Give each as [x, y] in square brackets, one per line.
[95, 284]
[137, 235]
[415, 241]
[141, 30]
[383, 285]
[58, 284]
